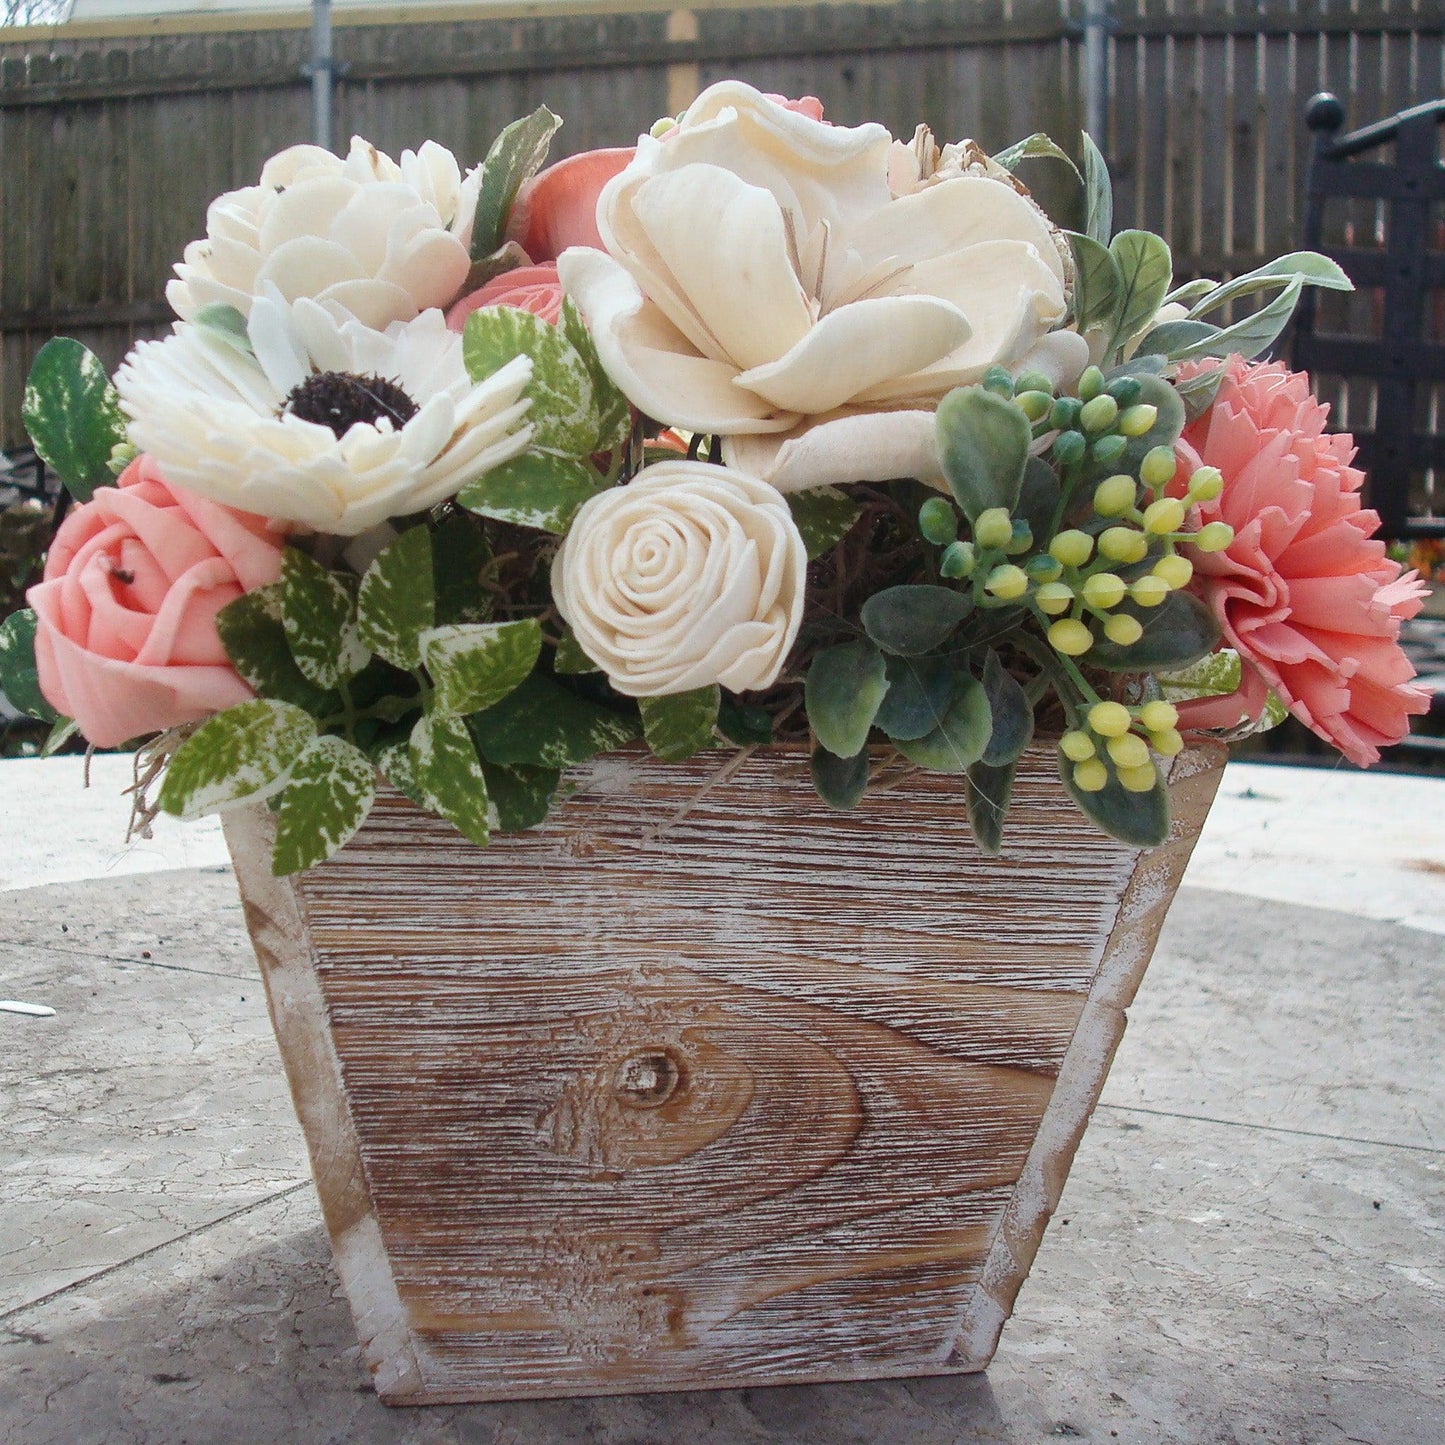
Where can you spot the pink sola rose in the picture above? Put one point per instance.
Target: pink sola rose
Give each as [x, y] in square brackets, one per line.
[528, 288]
[126, 639]
[1312, 605]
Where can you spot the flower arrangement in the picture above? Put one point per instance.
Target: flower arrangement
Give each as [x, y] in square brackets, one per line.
[765, 431]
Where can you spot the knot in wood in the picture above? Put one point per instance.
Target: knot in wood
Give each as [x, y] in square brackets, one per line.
[648, 1078]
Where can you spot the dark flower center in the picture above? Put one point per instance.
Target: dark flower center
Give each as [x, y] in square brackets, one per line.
[339, 400]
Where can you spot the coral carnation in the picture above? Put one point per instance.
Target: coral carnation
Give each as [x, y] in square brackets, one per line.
[1304, 593]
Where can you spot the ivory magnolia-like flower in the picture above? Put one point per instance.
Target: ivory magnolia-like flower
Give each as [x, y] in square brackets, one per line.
[333, 426]
[762, 282]
[365, 236]
[689, 576]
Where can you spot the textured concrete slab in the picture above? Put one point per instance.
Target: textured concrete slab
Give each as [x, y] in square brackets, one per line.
[1250, 1246]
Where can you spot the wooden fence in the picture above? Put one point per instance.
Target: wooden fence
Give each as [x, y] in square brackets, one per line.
[110, 146]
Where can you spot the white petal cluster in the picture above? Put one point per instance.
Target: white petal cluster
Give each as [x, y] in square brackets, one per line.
[213, 416]
[365, 236]
[691, 575]
[762, 282]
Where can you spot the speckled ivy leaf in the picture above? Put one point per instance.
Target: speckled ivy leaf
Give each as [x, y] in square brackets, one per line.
[563, 414]
[449, 776]
[823, 517]
[570, 659]
[520, 797]
[19, 678]
[245, 752]
[614, 414]
[535, 489]
[330, 792]
[516, 155]
[460, 554]
[678, 726]
[254, 637]
[474, 667]
[318, 611]
[397, 599]
[543, 725]
[73, 415]
[393, 757]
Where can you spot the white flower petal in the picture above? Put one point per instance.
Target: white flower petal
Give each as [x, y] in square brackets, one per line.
[876, 446]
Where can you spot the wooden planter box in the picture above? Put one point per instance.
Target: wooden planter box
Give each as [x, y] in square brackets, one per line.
[701, 1088]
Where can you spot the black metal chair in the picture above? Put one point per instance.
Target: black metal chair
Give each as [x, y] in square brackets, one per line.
[1403, 449]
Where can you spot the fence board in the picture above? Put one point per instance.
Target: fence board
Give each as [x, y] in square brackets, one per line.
[111, 148]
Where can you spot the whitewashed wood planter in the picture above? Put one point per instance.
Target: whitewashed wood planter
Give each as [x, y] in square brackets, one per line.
[755, 1094]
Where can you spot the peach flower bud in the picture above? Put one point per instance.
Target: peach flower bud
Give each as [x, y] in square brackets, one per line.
[528, 288]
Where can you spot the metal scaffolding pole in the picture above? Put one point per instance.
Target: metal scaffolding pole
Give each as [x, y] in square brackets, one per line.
[322, 70]
[1096, 69]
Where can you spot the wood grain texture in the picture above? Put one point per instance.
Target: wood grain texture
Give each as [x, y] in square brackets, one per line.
[663, 1096]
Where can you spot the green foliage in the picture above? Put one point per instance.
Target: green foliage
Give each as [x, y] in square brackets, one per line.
[318, 613]
[989, 789]
[843, 691]
[254, 636]
[520, 797]
[448, 775]
[245, 752]
[841, 782]
[1180, 631]
[460, 559]
[747, 726]
[913, 619]
[225, 323]
[535, 489]
[328, 795]
[1010, 712]
[397, 599]
[1098, 194]
[73, 415]
[1097, 282]
[823, 516]
[1032, 148]
[516, 155]
[1139, 819]
[392, 755]
[919, 692]
[1145, 271]
[474, 666]
[614, 412]
[19, 677]
[983, 443]
[570, 660]
[681, 724]
[542, 724]
[960, 739]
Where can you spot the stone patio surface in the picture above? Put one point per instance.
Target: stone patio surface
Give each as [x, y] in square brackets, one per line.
[1251, 1246]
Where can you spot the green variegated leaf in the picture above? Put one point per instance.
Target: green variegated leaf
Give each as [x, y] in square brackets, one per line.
[318, 611]
[570, 660]
[1145, 271]
[983, 443]
[19, 677]
[535, 489]
[614, 413]
[682, 724]
[1139, 819]
[1217, 675]
[989, 789]
[328, 795]
[958, 743]
[73, 415]
[823, 517]
[516, 156]
[449, 776]
[745, 725]
[563, 414]
[841, 782]
[1097, 283]
[65, 728]
[1034, 147]
[474, 667]
[520, 797]
[543, 725]
[844, 688]
[397, 600]
[1098, 194]
[245, 752]
[254, 637]
[392, 755]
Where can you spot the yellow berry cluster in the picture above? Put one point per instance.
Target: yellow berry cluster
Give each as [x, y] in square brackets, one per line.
[1121, 739]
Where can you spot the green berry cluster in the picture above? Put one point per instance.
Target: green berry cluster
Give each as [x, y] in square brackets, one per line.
[1121, 740]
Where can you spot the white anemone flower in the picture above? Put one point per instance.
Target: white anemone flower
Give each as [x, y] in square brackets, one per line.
[366, 236]
[330, 425]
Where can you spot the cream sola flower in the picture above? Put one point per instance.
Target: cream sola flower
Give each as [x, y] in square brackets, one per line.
[763, 282]
[366, 236]
[330, 425]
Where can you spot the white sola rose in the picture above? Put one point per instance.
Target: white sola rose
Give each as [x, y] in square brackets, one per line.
[330, 425]
[690, 575]
[366, 236]
[762, 282]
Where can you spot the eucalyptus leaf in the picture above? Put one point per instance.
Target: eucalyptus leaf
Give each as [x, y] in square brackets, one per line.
[449, 776]
[73, 415]
[1034, 147]
[1198, 392]
[252, 632]
[1038, 498]
[1097, 283]
[1145, 271]
[823, 516]
[983, 443]
[1178, 632]
[245, 752]
[328, 795]
[958, 743]
[1190, 292]
[1172, 338]
[746, 725]
[1251, 336]
[535, 489]
[516, 156]
[397, 599]
[1098, 194]
[1307, 267]
[1138, 819]
[841, 782]
[989, 790]
[1012, 716]
[19, 676]
[842, 693]
[914, 618]
[542, 724]
[318, 612]
[474, 666]
[919, 692]
[681, 724]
